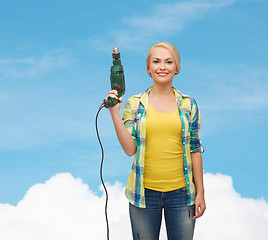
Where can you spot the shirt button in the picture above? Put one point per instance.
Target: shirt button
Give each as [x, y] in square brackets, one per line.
[183, 130]
[186, 168]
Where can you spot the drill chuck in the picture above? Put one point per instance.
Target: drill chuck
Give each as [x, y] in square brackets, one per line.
[116, 53]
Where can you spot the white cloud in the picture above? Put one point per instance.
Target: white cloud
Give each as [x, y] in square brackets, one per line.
[228, 215]
[47, 116]
[174, 16]
[30, 67]
[162, 20]
[65, 208]
[240, 87]
[224, 89]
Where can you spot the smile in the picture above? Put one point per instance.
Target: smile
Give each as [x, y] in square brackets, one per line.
[162, 74]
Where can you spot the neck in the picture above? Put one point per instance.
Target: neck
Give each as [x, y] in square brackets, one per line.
[161, 90]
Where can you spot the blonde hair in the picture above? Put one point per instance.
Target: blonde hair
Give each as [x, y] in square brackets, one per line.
[171, 48]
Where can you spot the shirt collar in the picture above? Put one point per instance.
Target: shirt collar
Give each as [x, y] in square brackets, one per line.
[145, 96]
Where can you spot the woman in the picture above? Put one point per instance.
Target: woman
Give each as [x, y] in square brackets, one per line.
[161, 127]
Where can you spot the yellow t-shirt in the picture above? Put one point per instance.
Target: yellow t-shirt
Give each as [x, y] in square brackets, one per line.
[163, 169]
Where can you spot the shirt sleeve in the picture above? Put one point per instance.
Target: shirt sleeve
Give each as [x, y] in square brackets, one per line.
[195, 122]
[130, 120]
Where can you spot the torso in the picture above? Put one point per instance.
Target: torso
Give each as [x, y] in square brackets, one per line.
[163, 166]
[164, 104]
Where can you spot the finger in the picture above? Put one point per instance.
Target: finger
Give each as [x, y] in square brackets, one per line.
[112, 95]
[120, 99]
[196, 212]
[199, 212]
[114, 91]
[197, 207]
[202, 210]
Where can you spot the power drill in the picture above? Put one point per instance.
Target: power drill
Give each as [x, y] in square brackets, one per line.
[117, 78]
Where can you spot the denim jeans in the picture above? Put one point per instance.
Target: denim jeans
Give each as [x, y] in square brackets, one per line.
[146, 222]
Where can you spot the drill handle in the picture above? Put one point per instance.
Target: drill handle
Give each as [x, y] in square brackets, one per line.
[110, 102]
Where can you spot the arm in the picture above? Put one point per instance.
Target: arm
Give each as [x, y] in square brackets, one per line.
[196, 148]
[200, 205]
[124, 137]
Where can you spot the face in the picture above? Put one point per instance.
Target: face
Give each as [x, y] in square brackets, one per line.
[162, 66]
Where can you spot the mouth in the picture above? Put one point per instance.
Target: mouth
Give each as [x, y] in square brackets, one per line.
[162, 74]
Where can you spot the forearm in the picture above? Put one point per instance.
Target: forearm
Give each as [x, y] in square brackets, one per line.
[200, 205]
[124, 137]
[198, 171]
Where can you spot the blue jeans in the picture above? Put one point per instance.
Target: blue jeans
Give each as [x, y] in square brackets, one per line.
[146, 222]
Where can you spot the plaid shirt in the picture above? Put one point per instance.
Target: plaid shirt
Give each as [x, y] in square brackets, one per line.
[134, 118]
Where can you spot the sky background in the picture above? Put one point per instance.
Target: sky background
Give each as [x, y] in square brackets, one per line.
[55, 59]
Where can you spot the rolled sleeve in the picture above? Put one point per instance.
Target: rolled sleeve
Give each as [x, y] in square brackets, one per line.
[129, 121]
[195, 123]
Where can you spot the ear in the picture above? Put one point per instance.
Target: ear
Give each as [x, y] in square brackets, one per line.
[148, 71]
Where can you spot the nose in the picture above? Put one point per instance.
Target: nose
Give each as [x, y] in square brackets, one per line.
[162, 66]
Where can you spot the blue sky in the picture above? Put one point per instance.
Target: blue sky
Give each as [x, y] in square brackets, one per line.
[55, 58]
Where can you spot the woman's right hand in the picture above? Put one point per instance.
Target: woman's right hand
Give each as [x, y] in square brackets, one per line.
[116, 107]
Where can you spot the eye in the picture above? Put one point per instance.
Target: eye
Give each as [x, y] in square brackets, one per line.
[169, 62]
[155, 61]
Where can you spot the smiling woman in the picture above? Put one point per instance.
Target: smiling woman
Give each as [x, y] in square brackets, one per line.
[161, 67]
[172, 52]
[161, 127]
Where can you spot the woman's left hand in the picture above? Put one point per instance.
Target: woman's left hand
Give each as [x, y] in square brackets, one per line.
[200, 205]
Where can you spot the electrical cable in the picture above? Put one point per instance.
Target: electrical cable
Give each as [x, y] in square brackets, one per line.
[101, 166]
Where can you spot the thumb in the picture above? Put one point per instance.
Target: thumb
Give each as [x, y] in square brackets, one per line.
[196, 209]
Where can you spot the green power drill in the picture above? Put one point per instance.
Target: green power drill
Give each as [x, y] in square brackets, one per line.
[117, 78]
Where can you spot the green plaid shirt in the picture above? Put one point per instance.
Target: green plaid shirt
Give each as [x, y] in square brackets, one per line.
[134, 118]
